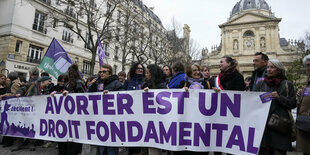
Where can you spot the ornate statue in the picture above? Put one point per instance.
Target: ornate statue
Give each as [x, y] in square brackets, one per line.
[262, 42]
[235, 44]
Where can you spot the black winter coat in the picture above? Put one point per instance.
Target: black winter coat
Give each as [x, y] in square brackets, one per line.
[287, 101]
[256, 74]
[162, 85]
[135, 82]
[235, 82]
[79, 87]
[110, 84]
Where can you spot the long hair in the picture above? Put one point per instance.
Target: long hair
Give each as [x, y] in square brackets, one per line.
[73, 76]
[157, 74]
[4, 83]
[233, 62]
[133, 68]
[170, 69]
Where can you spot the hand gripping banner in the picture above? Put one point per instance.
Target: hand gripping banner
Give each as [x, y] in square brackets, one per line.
[198, 120]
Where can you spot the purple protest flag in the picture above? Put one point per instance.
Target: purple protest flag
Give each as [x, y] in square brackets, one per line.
[56, 60]
[101, 53]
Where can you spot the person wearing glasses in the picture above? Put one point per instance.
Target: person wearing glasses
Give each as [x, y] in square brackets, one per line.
[195, 79]
[283, 96]
[136, 77]
[104, 83]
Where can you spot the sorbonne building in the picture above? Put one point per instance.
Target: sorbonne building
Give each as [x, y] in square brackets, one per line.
[27, 27]
[252, 27]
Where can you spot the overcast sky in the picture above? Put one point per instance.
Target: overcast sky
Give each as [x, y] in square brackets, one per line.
[204, 16]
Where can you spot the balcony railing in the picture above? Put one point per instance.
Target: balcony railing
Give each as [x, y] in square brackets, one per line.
[32, 60]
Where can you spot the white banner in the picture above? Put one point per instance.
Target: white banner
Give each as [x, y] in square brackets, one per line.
[198, 120]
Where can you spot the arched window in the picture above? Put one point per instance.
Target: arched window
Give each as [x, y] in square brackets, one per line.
[248, 34]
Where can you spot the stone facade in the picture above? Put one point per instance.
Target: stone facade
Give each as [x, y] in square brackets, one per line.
[23, 41]
[246, 32]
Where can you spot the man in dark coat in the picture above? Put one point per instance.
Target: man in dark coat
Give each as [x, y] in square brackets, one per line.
[260, 62]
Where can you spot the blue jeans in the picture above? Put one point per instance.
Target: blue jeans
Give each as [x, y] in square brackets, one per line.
[105, 150]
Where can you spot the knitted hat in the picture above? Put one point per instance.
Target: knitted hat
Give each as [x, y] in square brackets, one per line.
[44, 78]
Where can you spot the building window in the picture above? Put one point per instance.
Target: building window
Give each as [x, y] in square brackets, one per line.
[67, 34]
[46, 1]
[38, 24]
[105, 47]
[249, 34]
[69, 11]
[86, 67]
[34, 54]
[115, 69]
[55, 22]
[109, 6]
[18, 46]
[116, 53]
[87, 40]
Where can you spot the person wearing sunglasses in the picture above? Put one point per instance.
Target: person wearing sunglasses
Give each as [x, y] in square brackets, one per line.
[105, 82]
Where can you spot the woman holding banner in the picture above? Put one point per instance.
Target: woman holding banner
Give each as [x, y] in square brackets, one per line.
[136, 77]
[229, 78]
[154, 79]
[303, 115]
[178, 79]
[195, 79]
[74, 85]
[281, 91]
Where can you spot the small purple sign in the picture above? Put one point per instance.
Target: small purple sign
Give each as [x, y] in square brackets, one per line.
[306, 92]
[265, 97]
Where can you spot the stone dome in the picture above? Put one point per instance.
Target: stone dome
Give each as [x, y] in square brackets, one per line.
[243, 5]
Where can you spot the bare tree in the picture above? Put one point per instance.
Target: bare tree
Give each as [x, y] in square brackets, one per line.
[138, 35]
[86, 19]
[296, 70]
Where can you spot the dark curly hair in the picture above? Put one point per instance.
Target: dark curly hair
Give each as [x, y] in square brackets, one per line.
[133, 68]
[157, 74]
[73, 76]
[178, 67]
[170, 70]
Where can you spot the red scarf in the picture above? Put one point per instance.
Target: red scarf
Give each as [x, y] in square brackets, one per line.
[227, 74]
[273, 81]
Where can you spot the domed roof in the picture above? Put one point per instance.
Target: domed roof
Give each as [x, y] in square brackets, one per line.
[250, 4]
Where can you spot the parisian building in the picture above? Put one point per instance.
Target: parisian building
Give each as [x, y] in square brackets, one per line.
[251, 27]
[27, 27]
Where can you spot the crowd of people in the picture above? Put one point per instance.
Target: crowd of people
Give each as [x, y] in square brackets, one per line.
[269, 75]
